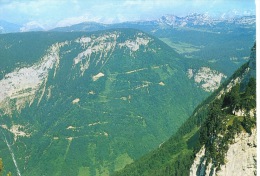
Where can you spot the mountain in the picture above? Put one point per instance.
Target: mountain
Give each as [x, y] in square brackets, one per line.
[31, 26]
[199, 20]
[191, 21]
[222, 44]
[77, 103]
[218, 139]
[86, 26]
[7, 27]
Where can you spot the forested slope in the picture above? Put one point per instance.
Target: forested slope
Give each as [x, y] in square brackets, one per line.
[213, 125]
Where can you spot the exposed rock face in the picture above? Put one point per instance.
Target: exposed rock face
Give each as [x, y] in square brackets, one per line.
[27, 84]
[241, 158]
[22, 85]
[242, 112]
[198, 166]
[209, 80]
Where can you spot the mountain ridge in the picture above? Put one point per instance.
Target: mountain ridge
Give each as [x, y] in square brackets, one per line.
[199, 39]
[86, 88]
[166, 21]
[176, 155]
[169, 20]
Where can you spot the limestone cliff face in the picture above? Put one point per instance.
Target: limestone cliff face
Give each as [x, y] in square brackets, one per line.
[241, 159]
[241, 156]
[199, 165]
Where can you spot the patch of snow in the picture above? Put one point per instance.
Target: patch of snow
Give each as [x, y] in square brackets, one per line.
[96, 77]
[123, 98]
[75, 101]
[91, 92]
[97, 123]
[69, 138]
[161, 84]
[70, 127]
[106, 134]
[137, 70]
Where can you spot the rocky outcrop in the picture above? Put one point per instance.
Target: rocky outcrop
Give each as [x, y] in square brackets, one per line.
[198, 167]
[241, 156]
[240, 160]
[20, 87]
[206, 78]
[243, 112]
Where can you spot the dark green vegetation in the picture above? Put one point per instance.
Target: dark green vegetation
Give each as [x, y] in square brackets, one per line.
[222, 122]
[76, 124]
[221, 45]
[24, 49]
[225, 51]
[212, 124]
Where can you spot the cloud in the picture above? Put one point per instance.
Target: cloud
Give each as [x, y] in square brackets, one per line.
[75, 20]
[51, 13]
[32, 25]
[28, 7]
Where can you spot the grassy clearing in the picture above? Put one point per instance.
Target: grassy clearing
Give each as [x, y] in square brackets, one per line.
[230, 119]
[122, 161]
[83, 171]
[181, 47]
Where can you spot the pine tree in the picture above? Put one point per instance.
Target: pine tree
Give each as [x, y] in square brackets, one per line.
[235, 97]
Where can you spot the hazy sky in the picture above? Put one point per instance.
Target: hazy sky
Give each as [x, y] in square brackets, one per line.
[53, 13]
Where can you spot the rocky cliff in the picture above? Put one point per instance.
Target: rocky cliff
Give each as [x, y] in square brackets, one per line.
[240, 158]
[215, 140]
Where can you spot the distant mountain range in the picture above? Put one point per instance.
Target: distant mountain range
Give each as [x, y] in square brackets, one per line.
[167, 21]
[195, 19]
[7, 27]
[217, 41]
[91, 98]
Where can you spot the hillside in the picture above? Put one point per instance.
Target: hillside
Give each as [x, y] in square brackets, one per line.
[219, 133]
[77, 103]
[222, 44]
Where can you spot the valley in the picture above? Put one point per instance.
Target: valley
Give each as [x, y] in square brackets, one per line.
[130, 98]
[86, 94]
[215, 140]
